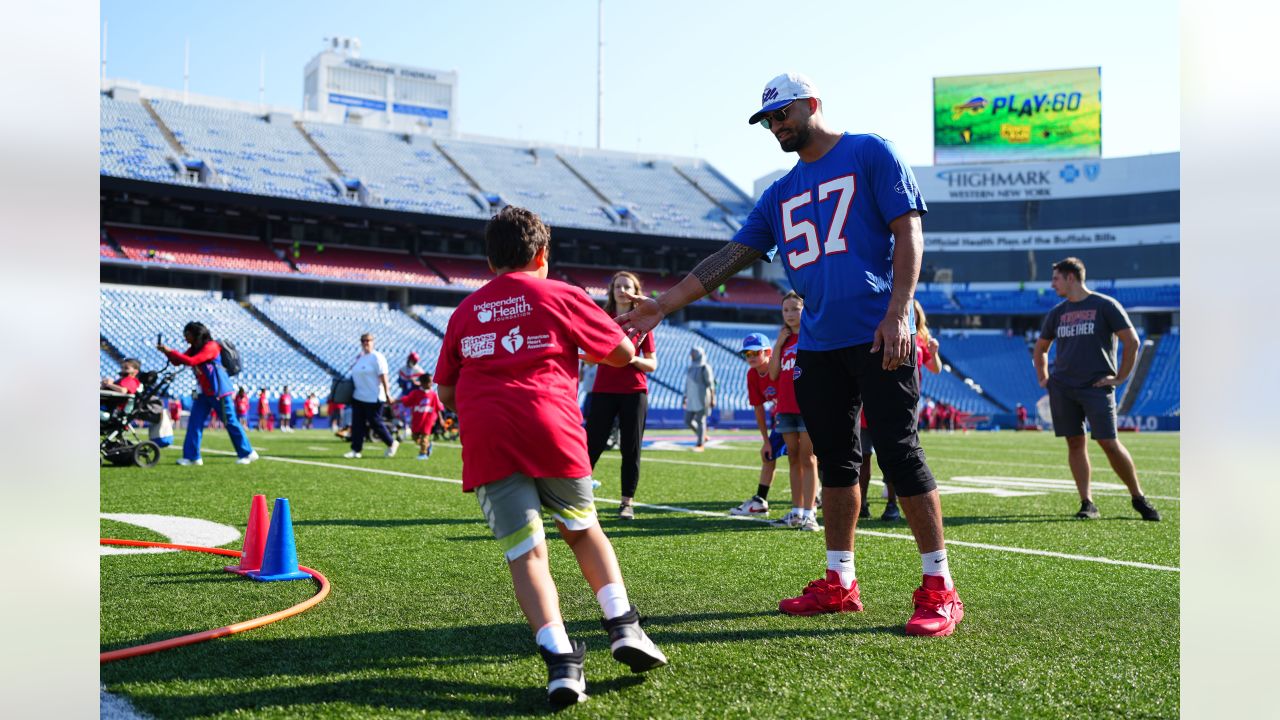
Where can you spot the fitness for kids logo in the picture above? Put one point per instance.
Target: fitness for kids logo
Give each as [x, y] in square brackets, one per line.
[477, 346]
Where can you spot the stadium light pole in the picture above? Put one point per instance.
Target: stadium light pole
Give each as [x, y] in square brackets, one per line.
[262, 79]
[186, 68]
[104, 54]
[599, 70]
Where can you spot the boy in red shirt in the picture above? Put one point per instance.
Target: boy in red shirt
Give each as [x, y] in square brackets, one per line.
[508, 367]
[425, 407]
[285, 407]
[762, 392]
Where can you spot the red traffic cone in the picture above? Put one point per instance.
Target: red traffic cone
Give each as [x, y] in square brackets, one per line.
[255, 538]
[280, 560]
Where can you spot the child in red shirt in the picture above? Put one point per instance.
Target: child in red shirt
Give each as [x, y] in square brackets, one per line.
[264, 410]
[508, 367]
[425, 407]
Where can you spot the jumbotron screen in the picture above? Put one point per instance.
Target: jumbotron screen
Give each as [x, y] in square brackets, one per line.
[1044, 115]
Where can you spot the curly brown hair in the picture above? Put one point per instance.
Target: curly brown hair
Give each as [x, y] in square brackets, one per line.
[513, 237]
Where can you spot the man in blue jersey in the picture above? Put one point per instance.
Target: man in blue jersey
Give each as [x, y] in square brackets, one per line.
[846, 222]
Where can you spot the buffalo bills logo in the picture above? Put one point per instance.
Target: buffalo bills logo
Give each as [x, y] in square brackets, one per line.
[769, 94]
[795, 373]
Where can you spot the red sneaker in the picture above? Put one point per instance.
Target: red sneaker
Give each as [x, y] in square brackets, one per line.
[823, 596]
[938, 610]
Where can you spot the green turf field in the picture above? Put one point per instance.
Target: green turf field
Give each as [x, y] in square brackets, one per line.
[421, 618]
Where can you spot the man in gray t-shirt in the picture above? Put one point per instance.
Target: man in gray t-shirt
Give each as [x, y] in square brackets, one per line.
[1085, 326]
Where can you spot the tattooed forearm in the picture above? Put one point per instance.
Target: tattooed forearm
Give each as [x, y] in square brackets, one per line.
[724, 264]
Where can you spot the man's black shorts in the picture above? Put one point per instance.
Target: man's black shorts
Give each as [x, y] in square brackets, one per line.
[833, 387]
[1071, 406]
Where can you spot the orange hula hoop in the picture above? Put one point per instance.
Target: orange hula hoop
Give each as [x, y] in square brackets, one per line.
[224, 631]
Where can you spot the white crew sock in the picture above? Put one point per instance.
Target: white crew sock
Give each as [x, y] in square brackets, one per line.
[841, 562]
[613, 600]
[553, 637]
[810, 513]
[935, 563]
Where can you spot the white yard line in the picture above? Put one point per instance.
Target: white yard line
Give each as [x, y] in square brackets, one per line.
[706, 513]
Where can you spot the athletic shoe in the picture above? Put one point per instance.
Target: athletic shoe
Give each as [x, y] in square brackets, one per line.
[1088, 511]
[352, 454]
[566, 683]
[626, 512]
[865, 512]
[630, 645]
[825, 595]
[791, 520]
[424, 456]
[754, 506]
[809, 523]
[698, 448]
[938, 610]
[392, 448]
[891, 513]
[253, 455]
[184, 461]
[1145, 510]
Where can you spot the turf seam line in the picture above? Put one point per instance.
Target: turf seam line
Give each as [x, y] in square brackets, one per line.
[708, 513]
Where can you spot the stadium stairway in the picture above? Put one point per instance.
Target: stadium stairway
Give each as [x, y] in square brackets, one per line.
[289, 339]
[728, 214]
[959, 374]
[1134, 389]
[110, 349]
[421, 321]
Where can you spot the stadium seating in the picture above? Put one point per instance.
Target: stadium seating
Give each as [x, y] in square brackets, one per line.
[131, 317]
[332, 328]
[403, 176]
[1160, 391]
[436, 317]
[1010, 302]
[198, 251]
[107, 365]
[533, 178]
[596, 280]
[724, 192]
[661, 201]
[366, 264]
[949, 388]
[1145, 296]
[132, 145]
[748, 291]
[463, 273]
[1001, 364]
[673, 346]
[251, 154]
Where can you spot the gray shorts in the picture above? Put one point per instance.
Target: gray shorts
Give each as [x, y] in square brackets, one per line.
[790, 423]
[513, 508]
[1071, 406]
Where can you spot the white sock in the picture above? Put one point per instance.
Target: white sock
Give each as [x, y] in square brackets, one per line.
[810, 513]
[613, 600]
[935, 563]
[553, 637]
[841, 561]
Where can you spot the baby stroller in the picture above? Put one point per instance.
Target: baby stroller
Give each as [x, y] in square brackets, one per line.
[120, 443]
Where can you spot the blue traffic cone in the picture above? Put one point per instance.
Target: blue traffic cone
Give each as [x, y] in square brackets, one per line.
[280, 560]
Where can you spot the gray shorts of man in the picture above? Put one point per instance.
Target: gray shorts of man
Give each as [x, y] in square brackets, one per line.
[1071, 406]
[513, 508]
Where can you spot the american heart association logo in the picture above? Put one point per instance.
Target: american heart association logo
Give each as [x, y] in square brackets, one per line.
[512, 341]
[484, 316]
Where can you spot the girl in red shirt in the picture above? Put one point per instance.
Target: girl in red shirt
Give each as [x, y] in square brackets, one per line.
[803, 463]
[622, 394]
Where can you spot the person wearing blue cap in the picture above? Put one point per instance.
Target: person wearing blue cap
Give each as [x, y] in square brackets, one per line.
[846, 221]
[762, 394]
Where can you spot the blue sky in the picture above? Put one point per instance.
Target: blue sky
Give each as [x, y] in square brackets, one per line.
[680, 78]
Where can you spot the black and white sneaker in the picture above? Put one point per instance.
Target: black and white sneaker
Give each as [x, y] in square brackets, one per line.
[566, 683]
[1145, 510]
[1088, 511]
[629, 643]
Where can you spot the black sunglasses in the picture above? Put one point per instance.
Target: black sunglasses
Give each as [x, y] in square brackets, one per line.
[776, 116]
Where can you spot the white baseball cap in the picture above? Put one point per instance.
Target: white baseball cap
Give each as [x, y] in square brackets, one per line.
[782, 91]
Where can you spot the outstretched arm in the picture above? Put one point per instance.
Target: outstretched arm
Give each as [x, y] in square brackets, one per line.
[721, 265]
